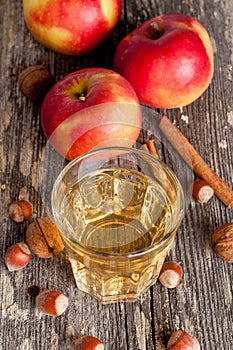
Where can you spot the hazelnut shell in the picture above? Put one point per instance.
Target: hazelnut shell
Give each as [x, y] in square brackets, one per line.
[20, 210]
[182, 340]
[202, 191]
[52, 302]
[17, 256]
[88, 342]
[171, 274]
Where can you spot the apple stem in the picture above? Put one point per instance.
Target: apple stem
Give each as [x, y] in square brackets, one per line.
[82, 97]
[155, 33]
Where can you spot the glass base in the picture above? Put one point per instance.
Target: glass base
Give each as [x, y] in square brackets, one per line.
[116, 288]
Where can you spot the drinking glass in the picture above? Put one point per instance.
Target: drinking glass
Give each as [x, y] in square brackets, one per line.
[118, 210]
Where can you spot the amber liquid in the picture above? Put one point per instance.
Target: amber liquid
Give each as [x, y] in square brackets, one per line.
[115, 222]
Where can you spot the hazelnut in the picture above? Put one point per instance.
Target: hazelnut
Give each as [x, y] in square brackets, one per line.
[181, 340]
[171, 274]
[52, 302]
[44, 238]
[35, 81]
[20, 210]
[88, 343]
[202, 191]
[17, 256]
[223, 242]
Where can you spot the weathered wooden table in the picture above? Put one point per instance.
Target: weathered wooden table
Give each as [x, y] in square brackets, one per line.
[202, 304]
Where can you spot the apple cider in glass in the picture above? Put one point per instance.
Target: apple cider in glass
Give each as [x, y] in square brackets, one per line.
[118, 210]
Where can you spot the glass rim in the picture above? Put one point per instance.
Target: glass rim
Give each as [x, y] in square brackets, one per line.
[120, 148]
[93, 252]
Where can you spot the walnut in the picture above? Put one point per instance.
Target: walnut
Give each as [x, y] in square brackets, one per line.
[35, 81]
[44, 238]
[223, 242]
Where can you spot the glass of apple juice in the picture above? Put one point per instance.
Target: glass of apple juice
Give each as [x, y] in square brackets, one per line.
[118, 210]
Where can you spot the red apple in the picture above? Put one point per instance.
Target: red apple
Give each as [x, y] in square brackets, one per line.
[71, 27]
[89, 108]
[168, 60]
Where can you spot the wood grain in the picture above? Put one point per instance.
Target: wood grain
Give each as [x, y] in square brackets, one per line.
[202, 304]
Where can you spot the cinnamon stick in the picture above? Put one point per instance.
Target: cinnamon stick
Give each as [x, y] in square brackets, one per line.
[149, 147]
[199, 166]
[152, 149]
